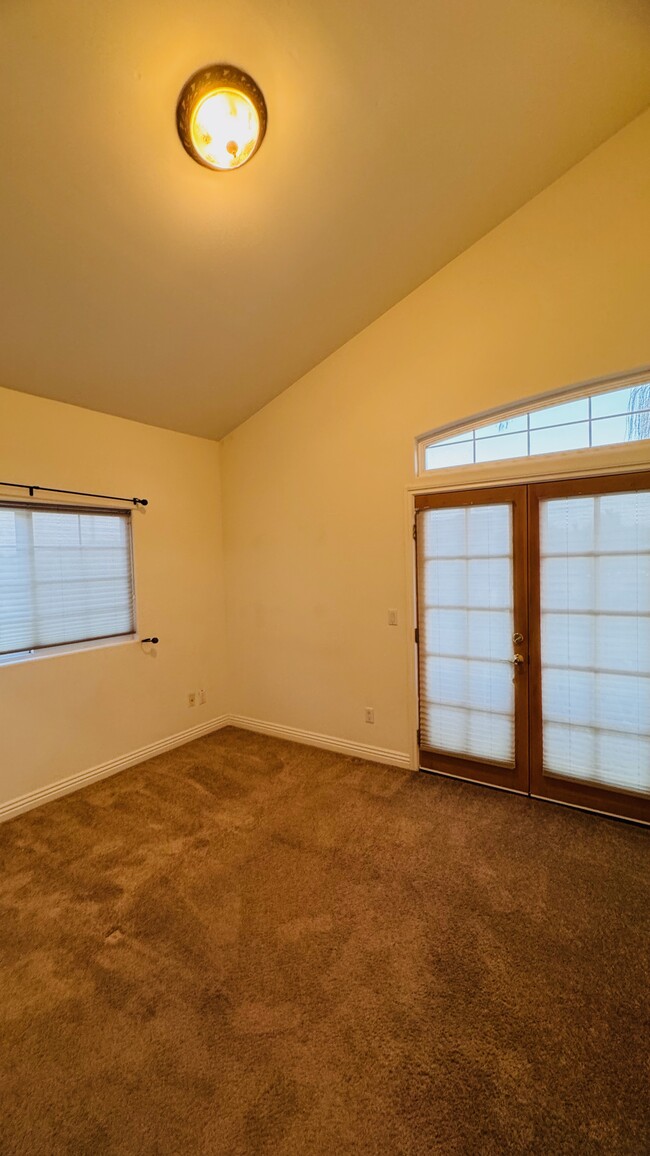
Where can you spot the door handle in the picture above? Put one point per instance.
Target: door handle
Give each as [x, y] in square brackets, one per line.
[517, 660]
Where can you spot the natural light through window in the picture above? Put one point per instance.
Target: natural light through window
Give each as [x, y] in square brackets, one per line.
[601, 419]
[66, 578]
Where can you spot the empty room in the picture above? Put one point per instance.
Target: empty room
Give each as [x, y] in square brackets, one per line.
[324, 578]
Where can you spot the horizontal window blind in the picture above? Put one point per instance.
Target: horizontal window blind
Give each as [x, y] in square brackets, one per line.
[66, 575]
[466, 624]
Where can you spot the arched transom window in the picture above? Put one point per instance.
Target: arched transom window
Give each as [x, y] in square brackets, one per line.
[607, 415]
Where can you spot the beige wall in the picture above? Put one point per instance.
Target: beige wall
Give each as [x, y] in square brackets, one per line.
[314, 492]
[64, 714]
[314, 485]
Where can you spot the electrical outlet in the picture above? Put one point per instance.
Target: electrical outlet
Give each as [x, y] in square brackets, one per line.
[370, 714]
[191, 698]
[201, 697]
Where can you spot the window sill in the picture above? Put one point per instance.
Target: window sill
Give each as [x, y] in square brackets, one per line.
[64, 649]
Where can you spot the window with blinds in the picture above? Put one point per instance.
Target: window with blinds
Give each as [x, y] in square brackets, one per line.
[66, 576]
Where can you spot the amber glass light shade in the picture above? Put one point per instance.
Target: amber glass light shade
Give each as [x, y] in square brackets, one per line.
[221, 117]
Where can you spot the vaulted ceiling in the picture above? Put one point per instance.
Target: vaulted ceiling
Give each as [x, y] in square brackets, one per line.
[135, 282]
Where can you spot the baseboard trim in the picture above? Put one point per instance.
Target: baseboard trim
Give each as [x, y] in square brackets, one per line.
[326, 742]
[84, 778]
[311, 739]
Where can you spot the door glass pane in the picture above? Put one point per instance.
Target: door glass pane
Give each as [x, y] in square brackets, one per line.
[595, 603]
[466, 626]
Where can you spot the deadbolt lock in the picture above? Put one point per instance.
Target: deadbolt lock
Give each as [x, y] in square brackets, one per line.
[517, 637]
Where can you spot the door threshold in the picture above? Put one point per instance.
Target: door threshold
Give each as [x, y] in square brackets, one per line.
[538, 798]
[592, 811]
[474, 782]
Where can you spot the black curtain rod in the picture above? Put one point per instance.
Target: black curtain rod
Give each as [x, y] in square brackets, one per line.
[75, 493]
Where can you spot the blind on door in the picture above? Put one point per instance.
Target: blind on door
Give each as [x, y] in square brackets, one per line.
[465, 611]
[65, 576]
[595, 603]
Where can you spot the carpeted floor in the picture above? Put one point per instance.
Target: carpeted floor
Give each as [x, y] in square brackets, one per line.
[246, 946]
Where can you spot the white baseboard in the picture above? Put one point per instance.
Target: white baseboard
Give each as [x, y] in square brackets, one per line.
[327, 742]
[84, 778]
[293, 734]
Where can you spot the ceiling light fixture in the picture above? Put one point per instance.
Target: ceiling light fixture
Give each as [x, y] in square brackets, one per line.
[221, 117]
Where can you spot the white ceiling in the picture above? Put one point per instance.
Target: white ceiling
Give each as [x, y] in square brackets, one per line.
[136, 282]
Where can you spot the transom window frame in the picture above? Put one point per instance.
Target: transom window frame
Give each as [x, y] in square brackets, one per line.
[51, 650]
[592, 460]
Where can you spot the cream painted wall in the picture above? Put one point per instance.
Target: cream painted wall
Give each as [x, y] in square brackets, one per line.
[314, 492]
[65, 714]
[314, 484]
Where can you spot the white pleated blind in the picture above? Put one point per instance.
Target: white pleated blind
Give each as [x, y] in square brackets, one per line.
[465, 608]
[595, 596]
[65, 576]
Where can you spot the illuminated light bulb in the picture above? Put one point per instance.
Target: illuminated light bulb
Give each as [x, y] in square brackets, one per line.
[225, 128]
[221, 117]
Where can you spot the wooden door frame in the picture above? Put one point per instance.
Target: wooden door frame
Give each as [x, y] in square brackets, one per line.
[554, 787]
[491, 774]
[549, 788]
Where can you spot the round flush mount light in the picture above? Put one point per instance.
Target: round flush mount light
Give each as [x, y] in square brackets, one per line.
[221, 117]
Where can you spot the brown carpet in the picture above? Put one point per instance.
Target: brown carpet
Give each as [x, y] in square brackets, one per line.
[250, 946]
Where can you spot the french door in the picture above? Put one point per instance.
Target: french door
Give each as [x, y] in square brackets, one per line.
[534, 639]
